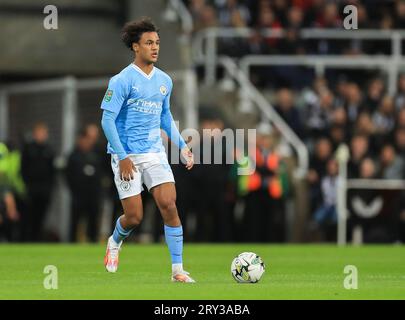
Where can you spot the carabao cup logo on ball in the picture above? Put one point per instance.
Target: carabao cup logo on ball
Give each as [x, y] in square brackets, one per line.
[247, 267]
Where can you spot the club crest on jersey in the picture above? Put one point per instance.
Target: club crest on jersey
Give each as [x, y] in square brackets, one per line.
[163, 90]
[125, 186]
[108, 96]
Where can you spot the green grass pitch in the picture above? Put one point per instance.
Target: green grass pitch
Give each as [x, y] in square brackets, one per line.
[292, 272]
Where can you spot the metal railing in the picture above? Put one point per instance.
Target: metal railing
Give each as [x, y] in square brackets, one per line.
[395, 36]
[68, 88]
[3, 115]
[210, 36]
[269, 112]
[320, 63]
[183, 14]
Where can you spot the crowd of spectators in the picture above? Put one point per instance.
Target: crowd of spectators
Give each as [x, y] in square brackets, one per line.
[29, 177]
[364, 117]
[291, 16]
[351, 107]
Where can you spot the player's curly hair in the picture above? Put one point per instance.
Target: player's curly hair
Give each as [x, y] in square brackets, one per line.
[132, 31]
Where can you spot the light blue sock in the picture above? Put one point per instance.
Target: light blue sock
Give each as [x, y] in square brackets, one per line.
[120, 233]
[174, 240]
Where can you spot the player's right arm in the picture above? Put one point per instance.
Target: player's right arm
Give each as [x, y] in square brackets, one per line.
[112, 104]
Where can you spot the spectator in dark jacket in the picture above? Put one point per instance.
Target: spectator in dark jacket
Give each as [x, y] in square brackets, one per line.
[359, 149]
[214, 220]
[287, 110]
[38, 173]
[84, 174]
[317, 170]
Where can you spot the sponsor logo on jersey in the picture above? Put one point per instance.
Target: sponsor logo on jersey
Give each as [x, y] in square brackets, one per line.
[145, 106]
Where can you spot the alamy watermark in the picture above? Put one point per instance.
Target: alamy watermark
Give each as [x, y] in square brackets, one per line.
[51, 280]
[350, 22]
[216, 146]
[51, 20]
[351, 280]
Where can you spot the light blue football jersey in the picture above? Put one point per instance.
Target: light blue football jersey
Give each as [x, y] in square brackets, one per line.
[142, 103]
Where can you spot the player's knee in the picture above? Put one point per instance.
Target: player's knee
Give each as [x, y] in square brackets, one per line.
[168, 205]
[134, 220]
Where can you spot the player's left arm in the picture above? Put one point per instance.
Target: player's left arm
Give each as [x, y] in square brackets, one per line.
[169, 126]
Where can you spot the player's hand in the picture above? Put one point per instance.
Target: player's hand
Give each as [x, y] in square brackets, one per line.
[127, 169]
[11, 207]
[13, 215]
[188, 156]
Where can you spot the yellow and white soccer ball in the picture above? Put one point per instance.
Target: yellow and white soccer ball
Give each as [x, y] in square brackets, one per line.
[247, 267]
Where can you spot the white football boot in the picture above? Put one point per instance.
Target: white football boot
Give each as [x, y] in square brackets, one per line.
[182, 276]
[111, 258]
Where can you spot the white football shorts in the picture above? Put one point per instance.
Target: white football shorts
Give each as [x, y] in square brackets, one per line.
[152, 169]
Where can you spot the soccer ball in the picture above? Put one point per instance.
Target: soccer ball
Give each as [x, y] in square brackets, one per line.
[247, 267]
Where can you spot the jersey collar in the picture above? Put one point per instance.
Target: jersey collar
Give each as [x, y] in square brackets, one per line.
[147, 76]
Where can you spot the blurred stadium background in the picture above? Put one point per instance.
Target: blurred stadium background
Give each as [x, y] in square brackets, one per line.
[328, 105]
